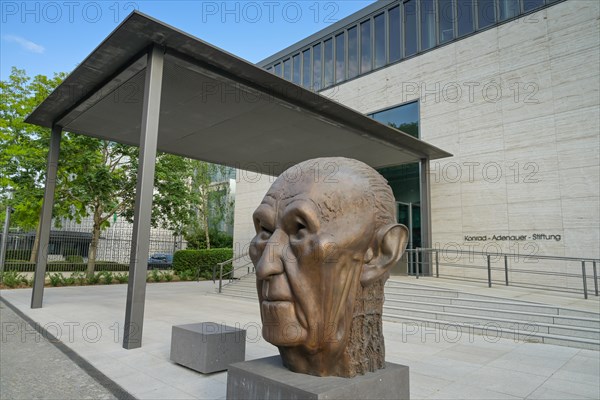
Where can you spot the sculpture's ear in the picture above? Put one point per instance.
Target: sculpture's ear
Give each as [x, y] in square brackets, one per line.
[390, 243]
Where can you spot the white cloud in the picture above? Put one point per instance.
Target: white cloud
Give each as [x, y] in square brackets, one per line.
[25, 44]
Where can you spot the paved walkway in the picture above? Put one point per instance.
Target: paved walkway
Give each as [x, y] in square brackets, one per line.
[443, 365]
[32, 367]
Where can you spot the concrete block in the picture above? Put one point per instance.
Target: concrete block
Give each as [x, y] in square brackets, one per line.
[207, 346]
[267, 378]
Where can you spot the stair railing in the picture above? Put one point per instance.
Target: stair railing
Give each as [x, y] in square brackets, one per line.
[231, 273]
[425, 257]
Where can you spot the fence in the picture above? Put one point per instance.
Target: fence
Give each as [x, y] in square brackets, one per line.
[72, 246]
[559, 274]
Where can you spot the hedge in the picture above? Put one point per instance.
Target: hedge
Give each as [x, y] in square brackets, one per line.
[62, 266]
[201, 261]
[20, 255]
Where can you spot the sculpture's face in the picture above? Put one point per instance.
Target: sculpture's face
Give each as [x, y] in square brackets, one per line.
[310, 244]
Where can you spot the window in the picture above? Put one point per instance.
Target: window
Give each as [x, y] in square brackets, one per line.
[508, 9]
[410, 28]
[352, 52]
[277, 69]
[394, 32]
[287, 69]
[270, 69]
[404, 179]
[328, 62]
[340, 57]
[486, 13]
[317, 67]
[427, 24]
[306, 68]
[404, 117]
[446, 20]
[379, 22]
[464, 16]
[532, 4]
[297, 72]
[365, 46]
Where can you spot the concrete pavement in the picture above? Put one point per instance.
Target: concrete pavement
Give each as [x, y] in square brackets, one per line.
[33, 367]
[444, 364]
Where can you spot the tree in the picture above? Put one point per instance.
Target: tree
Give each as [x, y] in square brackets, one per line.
[105, 185]
[98, 185]
[95, 178]
[412, 128]
[210, 195]
[25, 148]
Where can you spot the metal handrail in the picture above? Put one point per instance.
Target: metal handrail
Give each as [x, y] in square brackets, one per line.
[418, 255]
[231, 272]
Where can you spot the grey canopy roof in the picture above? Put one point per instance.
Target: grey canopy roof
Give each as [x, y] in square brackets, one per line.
[215, 107]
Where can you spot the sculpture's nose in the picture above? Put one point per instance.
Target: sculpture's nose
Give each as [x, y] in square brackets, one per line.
[271, 260]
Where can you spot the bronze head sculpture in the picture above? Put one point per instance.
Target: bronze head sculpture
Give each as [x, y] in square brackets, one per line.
[326, 238]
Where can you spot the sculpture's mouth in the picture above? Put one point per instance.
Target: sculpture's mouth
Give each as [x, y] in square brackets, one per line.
[278, 302]
[275, 291]
[277, 312]
[275, 303]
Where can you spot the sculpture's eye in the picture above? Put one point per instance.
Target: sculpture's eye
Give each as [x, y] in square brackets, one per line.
[265, 230]
[298, 229]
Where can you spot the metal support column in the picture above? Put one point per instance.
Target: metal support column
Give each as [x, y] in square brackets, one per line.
[411, 266]
[140, 244]
[489, 271]
[417, 262]
[37, 295]
[506, 269]
[6, 229]
[426, 241]
[595, 278]
[584, 277]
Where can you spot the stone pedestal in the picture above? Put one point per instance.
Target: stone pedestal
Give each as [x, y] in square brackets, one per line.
[207, 347]
[267, 378]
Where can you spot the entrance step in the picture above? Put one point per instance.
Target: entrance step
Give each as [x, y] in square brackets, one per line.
[451, 309]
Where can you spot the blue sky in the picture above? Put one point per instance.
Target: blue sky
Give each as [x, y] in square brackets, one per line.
[44, 37]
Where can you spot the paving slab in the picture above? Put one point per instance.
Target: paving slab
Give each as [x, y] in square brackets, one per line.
[443, 366]
[32, 366]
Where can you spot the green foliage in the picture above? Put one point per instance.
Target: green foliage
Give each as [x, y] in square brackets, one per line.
[56, 279]
[74, 259]
[185, 196]
[412, 128]
[79, 277]
[186, 275]
[25, 147]
[167, 276]
[107, 277]
[102, 186]
[221, 240]
[12, 279]
[218, 240]
[21, 255]
[155, 275]
[210, 197]
[69, 281]
[122, 278]
[93, 279]
[61, 266]
[201, 261]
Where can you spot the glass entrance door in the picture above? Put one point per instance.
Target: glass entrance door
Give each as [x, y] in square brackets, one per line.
[409, 214]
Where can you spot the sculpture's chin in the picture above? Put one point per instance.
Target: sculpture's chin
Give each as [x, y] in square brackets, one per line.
[280, 324]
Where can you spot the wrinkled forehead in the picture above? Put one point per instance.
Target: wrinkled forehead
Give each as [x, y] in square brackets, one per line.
[332, 196]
